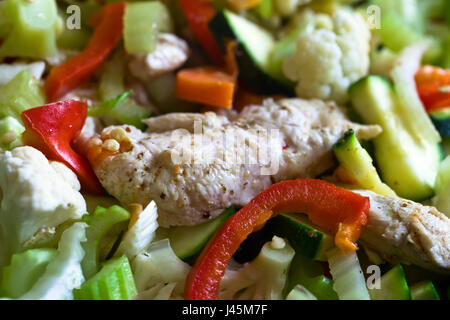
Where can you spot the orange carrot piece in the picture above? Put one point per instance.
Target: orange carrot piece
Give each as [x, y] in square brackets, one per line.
[207, 85]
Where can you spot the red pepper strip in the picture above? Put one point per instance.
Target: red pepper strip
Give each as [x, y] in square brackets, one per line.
[71, 74]
[198, 14]
[338, 210]
[52, 128]
[430, 81]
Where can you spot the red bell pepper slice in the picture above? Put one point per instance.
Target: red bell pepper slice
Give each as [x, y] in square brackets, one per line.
[198, 14]
[108, 25]
[340, 211]
[430, 83]
[52, 128]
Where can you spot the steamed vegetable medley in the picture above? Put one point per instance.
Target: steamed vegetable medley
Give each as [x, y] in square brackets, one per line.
[225, 149]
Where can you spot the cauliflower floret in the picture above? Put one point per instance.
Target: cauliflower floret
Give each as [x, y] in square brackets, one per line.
[37, 197]
[264, 278]
[330, 57]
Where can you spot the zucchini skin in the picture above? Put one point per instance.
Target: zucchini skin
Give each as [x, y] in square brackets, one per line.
[441, 120]
[251, 74]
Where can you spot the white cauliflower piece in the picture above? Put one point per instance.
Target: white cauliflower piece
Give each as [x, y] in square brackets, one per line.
[263, 278]
[330, 57]
[37, 197]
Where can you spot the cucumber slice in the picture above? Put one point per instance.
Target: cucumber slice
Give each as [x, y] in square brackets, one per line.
[113, 282]
[255, 46]
[441, 120]
[300, 293]
[187, 241]
[408, 167]
[357, 163]
[306, 238]
[424, 290]
[393, 286]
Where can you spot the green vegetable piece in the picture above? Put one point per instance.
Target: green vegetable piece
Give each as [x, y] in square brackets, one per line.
[356, 161]
[424, 290]
[113, 282]
[393, 286]
[32, 31]
[24, 270]
[142, 23]
[21, 93]
[10, 132]
[265, 8]
[187, 241]
[122, 109]
[309, 274]
[300, 293]
[99, 223]
[442, 200]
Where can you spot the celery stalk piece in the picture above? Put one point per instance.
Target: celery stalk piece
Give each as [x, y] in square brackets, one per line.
[112, 78]
[10, 132]
[99, 223]
[265, 8]
[21, 93]
[113, 282]
[142, 22]
[33, 29]
[349, 281]
[442, 187]
[24, 270]
[5, 23]
[122, 109]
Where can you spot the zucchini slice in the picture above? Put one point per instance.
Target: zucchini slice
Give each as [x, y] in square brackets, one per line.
[393, 286]
[305, 237]
[424, 290]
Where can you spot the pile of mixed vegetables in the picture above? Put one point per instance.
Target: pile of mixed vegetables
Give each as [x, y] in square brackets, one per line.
[68, 67]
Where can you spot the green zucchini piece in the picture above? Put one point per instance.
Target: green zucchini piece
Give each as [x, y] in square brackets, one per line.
[305, 237]
[441, 120]
[113, 282]
[358, 164]
[187, 241]
[408, 167]
[393, 286]
[308, 273]
[255, 46]
[424, 290]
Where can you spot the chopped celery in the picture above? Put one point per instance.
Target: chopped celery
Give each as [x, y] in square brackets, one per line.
[393, 286]
[142, 22]
[113, 282]
[300, 293]
[112, 78]
[309, 274]
[5, 24]
[10, 132]
[349, 281]
[21, 93]
[122, 109]
[92, 202]
[32, 32]
[424, 290]
[99, 223]
[265, 8]
[24, 270]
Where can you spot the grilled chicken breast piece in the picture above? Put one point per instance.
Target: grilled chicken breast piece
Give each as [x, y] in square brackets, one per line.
[295, 135]
[403, 231]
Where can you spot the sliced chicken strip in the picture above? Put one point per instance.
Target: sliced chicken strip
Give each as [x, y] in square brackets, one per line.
[403, 231]
[300, 136]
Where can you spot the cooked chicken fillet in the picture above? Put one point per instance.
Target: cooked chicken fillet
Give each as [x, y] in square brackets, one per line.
[288, 139]
[402, 231]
